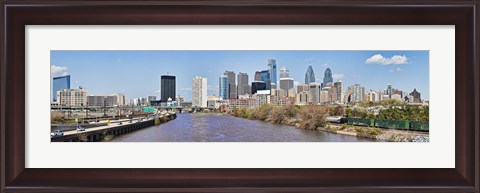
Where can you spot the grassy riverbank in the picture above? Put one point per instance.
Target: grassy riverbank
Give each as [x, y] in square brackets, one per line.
[313, 118]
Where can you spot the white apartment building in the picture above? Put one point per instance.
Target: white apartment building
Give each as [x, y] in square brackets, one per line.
[199, 92]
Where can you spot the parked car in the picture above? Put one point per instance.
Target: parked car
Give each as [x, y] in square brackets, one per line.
[79, 128]
[56, 133]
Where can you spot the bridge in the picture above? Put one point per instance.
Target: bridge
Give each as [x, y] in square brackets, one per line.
[115, 128]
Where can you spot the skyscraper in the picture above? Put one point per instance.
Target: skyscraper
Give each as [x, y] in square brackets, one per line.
[59, 84]
[168, 88]
[242, 86]
[286, 84]
[314, 89]
[327, 77]
[223, 87]
[265, 77]
[338, 89]
[272, 68]
[232, 86]
[309, 75]
[389, 90]
[199, 92]
[284, 72]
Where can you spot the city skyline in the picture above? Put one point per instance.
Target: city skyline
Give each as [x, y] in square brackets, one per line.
[137, 73]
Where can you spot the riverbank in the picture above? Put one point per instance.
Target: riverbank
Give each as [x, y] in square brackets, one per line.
[312, 118]
[387, 135]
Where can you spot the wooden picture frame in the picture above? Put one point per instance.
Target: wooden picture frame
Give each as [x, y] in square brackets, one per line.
[463, 14]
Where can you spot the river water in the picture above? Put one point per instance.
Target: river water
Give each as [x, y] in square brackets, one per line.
[189, 127]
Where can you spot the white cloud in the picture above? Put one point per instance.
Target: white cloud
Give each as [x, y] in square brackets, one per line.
[398, 69]
[338, 76]
[58, 71]
[186, 89]
[380, 59]
[325, 65]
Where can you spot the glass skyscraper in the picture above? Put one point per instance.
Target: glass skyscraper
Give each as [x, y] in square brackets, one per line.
[60, 83]
[265, 77]
[223, 87]
[309, 75]
[327, 77]
[272, 67]
[167, 89]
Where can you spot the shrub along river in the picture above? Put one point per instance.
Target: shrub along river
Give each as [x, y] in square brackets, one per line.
[200, 127]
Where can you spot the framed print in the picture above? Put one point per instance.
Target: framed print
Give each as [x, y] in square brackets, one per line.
[239, 96]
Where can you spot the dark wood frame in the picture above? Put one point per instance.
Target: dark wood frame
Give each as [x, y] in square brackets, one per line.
[461, 13]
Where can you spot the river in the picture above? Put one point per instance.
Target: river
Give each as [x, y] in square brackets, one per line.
[200, 127]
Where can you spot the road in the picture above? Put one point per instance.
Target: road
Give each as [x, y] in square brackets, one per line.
[113, 124]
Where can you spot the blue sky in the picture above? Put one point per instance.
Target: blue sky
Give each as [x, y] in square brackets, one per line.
[137, 73]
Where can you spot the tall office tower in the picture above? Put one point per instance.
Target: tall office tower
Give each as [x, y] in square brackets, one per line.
[389, 90]
[272, 67]
[257, 76]
[60, 83]
[199, 92]
[327, 77]
[284, 73]
[302, 87]
[168, 88]
[338, 88]
[309, 75]
[232, 89]
[265, 77]
[258, 85]
[286, 84]
[223, 87]
[314, 89]
[242, 86]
